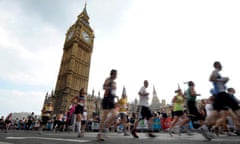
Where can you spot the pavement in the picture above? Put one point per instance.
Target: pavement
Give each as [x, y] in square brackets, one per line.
[33, 137]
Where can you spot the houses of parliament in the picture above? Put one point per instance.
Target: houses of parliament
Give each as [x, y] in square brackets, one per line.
[74, 71]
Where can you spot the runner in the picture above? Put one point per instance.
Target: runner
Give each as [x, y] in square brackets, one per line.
[123, 112]
[108, 107]
[8, 122]
[2, 123]
[80, 103]
[191, 96]
[178, 111]
[46, 115]
[222, 101]
[144, 111]
[59, 123]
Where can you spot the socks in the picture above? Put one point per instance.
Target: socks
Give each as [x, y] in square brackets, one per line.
[79, 127]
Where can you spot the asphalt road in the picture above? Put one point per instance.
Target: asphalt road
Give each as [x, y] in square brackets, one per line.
[33, 137]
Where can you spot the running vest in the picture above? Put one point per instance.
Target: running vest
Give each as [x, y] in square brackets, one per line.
[123, 105]
[112, 91]
[189, 96]
[178, 103]
[81, 100]
[218, 86]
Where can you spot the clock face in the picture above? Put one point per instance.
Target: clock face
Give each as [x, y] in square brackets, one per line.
[70, 35]
[85, 36]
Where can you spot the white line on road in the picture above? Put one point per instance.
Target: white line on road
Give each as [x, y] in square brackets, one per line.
[5, 143]
[57, 139]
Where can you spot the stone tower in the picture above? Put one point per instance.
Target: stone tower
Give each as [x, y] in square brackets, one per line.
[75, 64]
[155, 105]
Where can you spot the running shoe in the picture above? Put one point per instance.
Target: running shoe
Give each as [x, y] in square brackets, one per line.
[133, 132]
[170, 132]
[100, 137]
[205, 133]
[151, 135]
[126, 134]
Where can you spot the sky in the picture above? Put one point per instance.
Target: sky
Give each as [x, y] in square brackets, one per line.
[164, 42]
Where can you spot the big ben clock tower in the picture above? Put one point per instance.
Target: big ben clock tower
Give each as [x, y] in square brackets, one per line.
[75, 64]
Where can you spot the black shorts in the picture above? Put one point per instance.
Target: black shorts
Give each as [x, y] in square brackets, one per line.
[233, 103]
[178, 113]
[193, 112]
[45, 119]
[60, 122]
[223, 101]
[7, 121]
[83, 122]
[79, 109]
[144, 112]
[122, 115]
[108, 102]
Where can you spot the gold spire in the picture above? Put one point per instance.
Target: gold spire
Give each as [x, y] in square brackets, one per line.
[124, 91]
[84, 15]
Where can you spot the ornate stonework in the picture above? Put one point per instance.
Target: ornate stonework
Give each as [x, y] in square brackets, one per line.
[155, 105]
[93, 105]
[75, 64]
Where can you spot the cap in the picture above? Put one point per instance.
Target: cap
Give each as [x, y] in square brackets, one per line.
[178, 90]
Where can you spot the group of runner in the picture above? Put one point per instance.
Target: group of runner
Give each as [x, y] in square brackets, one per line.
[221, 104]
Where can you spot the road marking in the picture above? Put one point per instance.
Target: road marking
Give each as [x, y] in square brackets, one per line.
[5, 143]
[57, 139]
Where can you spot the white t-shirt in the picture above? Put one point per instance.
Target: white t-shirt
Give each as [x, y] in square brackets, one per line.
[219, 85]
[143, 99]
[209, 109]
[84, 116]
